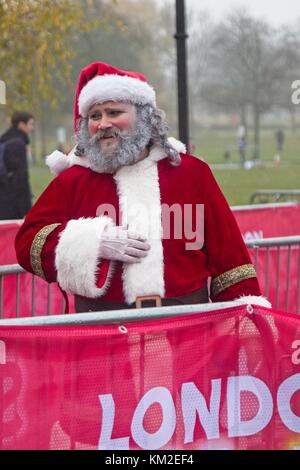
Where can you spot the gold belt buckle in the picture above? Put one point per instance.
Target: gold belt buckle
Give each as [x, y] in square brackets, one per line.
[141, 298]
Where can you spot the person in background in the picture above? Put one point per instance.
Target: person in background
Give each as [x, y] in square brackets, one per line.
[101, 228]
[242, 144]
[15, 192]
[279, 140]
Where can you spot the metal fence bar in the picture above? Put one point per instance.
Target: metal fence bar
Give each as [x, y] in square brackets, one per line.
[267, 205]
[1, 294]
[267, 271]
[18, 296]
[298, 285]
[119, 316]
[277, 277]
[288, 278]
[33, 296]
[276, 241]
[11, 269]
[275, 193]
[48, 299]
[256, 258]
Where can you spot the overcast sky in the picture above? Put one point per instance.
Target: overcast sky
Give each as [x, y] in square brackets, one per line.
[275, 11]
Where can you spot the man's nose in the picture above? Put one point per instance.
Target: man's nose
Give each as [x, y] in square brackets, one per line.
[104, 123]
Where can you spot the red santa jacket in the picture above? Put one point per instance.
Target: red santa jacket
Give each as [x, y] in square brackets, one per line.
[61, 235]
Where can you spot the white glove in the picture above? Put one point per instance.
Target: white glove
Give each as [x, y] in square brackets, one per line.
[117, 243]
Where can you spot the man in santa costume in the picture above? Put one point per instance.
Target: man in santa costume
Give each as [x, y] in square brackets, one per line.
[99, 229]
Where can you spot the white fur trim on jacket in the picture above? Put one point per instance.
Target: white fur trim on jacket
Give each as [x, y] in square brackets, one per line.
[255, 300]
[58, 161]
[77, 256]
[114, 88]
[139, 199]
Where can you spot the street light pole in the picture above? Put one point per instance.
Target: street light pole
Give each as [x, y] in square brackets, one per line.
[182, 87]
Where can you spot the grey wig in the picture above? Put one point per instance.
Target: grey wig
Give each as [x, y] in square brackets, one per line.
[159, 130]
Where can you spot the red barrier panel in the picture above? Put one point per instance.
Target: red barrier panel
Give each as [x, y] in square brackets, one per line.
[267, 222]
[8, 231]
[218, 380]
[33, 301]
[278, 271]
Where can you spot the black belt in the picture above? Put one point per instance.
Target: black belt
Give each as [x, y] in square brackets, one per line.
[84, 304]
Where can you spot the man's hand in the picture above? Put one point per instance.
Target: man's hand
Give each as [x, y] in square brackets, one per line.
[120, 244]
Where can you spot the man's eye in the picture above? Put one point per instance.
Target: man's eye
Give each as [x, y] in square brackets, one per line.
[95, 116]
[115, 113]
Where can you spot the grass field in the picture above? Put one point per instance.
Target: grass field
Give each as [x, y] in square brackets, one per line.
[237, 184]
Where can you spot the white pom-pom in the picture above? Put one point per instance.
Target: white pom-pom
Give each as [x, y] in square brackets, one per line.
[177, 145]
[58, 162]
[255, 300]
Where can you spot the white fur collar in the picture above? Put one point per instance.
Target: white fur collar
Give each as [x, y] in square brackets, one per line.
[58, 161]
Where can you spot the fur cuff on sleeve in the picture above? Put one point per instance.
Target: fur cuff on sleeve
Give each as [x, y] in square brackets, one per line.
[77, 256]
[255, 300]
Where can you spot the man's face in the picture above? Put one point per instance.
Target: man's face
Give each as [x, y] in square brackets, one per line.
[109, 118]
[27, 127]
[114, 135]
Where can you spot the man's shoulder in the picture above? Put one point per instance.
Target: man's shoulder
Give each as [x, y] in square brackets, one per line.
[191, 163]
[73, 173]
[79, 174]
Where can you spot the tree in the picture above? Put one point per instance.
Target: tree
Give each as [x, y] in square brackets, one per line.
[245, 67]
[36, 51]
[34, 47]
[289, 52]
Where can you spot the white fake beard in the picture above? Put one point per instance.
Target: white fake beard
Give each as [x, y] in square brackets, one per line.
[108, 159]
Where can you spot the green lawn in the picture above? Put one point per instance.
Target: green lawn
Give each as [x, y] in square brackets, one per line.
[237, 184]
[211, 145]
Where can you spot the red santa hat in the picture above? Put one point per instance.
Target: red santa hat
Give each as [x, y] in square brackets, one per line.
[100, 82]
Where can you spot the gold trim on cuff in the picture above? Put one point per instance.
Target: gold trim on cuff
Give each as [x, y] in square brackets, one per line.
[36, 249]
[229, 278]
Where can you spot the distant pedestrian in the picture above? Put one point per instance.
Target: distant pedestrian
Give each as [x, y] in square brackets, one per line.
[241, 132]
[15, 192]
[241, 143]
[227, 155]
[242, 150]
[279, 140]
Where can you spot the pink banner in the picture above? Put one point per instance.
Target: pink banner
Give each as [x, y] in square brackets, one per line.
[227, 379]
[267, 222]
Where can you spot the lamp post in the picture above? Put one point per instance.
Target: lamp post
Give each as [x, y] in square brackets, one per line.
[182, 87]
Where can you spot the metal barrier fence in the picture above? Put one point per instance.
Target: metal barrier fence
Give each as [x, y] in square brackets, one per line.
[275, 195]
[119, 316]
[285, 249]
[7, 273]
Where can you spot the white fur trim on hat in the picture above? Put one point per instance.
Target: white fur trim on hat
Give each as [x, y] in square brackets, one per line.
[77, 256]
[114, 88]
[255, 300]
